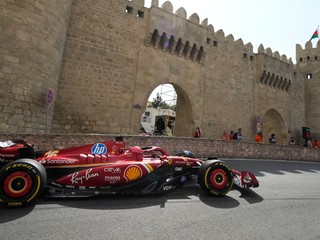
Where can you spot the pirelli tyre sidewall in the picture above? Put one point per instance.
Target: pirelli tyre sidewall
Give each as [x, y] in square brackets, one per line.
[215, 177]
[21, 182]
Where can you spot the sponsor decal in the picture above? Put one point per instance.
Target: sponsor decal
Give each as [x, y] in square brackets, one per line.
[57, 161]
[51, 153]
[167, 188]
[170, 161]
[99, 148]
[76, 179]
[114, 148]
[7, 155]
[247, 178]
[132, 173]
[178, 169]
[112, 170]
[15, 204]
[112, 179]
[23, 165]
[6, 160]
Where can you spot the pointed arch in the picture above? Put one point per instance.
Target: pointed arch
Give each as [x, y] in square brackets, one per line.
[273, 123]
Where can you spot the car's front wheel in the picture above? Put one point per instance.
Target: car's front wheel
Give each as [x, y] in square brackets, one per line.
[215, 177]
[21, 182]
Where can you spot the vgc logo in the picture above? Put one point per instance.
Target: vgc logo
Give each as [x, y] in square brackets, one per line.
[99, 148]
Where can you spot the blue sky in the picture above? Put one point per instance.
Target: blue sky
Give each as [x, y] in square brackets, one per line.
[278, 24]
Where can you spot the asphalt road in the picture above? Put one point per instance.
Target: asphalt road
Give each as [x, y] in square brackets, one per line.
[285, 206]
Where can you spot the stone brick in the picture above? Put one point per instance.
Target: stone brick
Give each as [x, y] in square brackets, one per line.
[11, 59]
[6, 69]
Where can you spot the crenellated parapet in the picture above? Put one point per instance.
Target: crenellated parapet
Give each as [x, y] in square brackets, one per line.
[309, 53]
[276, 54]
[201, 33]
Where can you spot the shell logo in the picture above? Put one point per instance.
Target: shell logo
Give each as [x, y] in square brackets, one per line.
[132, 173]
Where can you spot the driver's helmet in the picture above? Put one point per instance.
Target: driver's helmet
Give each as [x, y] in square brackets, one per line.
[137, 152]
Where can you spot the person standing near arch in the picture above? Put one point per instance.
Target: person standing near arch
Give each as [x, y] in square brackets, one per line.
[272, 138]
[197, 133]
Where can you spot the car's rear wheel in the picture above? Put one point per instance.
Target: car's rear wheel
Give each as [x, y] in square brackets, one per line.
[21, 182]
[215, 177]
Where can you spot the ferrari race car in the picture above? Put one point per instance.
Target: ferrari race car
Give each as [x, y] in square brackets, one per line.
[106, 168]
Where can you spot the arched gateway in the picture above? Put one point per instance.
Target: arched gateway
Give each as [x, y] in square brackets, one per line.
[273, 123]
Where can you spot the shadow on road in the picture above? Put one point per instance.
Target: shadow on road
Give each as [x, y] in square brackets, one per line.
[260, 167]
[190, 192]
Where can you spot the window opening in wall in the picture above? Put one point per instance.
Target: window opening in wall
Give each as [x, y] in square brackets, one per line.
[309, 76]
[154, 37]
[193, 51]
[315, 57]
[245, 55]
[208, 40]
[251, 58]
[200, 54]
[300, 59]
[171, 43]
[215, 43]
[164, 43]
[294, 74]
[186, 49]
[308, 58]
[129, 9]
[140, 14]
[179, 46]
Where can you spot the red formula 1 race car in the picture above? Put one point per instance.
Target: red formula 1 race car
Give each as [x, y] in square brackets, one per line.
[106, 168]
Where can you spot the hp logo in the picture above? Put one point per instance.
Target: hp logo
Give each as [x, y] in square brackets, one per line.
[99, 148]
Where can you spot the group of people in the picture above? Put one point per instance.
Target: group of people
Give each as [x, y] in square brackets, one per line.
[313, 144]
[232, 135]
[272, 139]
[258, 138]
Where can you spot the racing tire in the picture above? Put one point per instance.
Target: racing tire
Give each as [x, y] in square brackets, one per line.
[215, 177]
[21, 182]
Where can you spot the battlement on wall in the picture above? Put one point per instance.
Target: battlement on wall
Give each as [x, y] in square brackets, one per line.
[309, 53]
[212, 38]
[275, 54]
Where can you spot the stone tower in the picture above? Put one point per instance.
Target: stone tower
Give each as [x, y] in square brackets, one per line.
[308, 60]
[32, 36]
